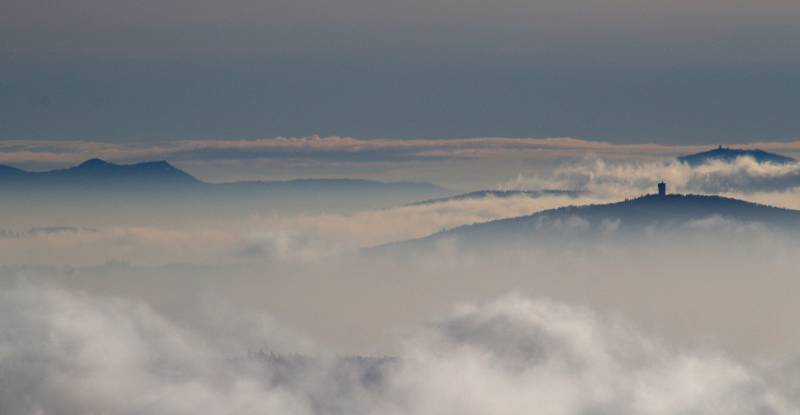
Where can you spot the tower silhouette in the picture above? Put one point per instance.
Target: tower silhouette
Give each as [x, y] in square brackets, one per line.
[662, 188]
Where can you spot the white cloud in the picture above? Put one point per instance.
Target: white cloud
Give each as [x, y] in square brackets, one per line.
[618, 179]
[513, 354]
[66, 352]
[73, 353]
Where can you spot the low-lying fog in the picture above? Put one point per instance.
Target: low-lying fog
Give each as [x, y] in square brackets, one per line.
[284, 313]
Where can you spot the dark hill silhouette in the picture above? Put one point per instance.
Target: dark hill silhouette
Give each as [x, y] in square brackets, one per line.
[730, 154]
[147, 173]
[500, 194]
[8, 172]
[650, 213]
[96, 173]
[158, 189]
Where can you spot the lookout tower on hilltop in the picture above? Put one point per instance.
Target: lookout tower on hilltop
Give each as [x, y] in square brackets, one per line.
[662, 188]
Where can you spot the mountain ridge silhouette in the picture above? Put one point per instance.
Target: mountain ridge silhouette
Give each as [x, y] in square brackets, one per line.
[728, 154]
[157, 189]
[100, 170]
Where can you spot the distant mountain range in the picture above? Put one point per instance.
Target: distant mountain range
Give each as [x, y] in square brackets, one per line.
[97, 173]
[727, 154]
[650, 213]
[157, 189]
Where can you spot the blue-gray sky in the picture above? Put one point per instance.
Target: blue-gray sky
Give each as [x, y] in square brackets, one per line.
[627, 71]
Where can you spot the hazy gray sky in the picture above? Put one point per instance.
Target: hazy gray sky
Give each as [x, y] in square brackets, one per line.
[676, 72]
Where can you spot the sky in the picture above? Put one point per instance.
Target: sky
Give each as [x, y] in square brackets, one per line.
[622, 71]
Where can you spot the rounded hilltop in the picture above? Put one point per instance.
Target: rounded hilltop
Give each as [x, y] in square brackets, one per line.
[727, 154]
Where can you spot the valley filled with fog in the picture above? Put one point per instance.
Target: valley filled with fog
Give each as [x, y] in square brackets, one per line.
[301, 300]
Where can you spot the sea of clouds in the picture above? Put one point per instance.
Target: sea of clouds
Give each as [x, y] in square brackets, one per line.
[67, 352]
[322, 236]
[271, 313]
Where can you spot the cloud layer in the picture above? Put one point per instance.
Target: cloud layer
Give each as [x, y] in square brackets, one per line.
[455, 162]
[72, 353]
[315, 238]
[260, 236]
[344, 149]
[617, 179]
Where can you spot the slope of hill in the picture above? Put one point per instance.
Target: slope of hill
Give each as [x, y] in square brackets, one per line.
[500, 194]
[730, 154]
[648, 214]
